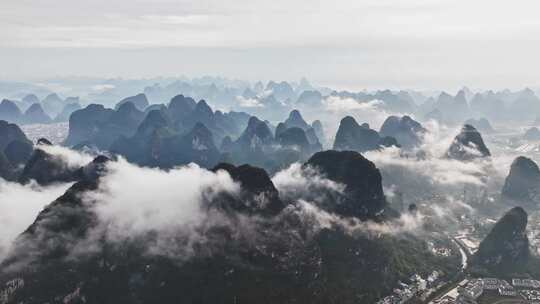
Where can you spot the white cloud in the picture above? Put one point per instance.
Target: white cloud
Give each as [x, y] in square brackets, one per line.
[295, 182]
[72, 159]
[438, 170]
[434, 169]
[249, 102]
[103, 87]
[307, 189]
[171, 199]
[335, 108]
[178, 19]
[19, 206]
[346, 104]
[318, 219]
[132, 201]
[372, 43]
[249, 23]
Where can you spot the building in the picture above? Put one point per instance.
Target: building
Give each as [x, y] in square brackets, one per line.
[531, 295]
[470, 292]
[507, 291]
[432, 278]
[494, 284]
[465, 300]
[526, 283]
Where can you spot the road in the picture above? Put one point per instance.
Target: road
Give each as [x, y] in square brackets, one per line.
[464, 251]
[465, 256]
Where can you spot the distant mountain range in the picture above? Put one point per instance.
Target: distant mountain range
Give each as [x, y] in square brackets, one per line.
[275, 99]
[30, 110]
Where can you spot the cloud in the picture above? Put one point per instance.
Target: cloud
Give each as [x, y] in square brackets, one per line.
[334, 108]
[169, 211]
[306, 189]
[249, 102]
[436, 181]
[178, 19]
[295, 178]
[174, 209]
[19, 206]
[427, 177]
[171, 199]
[71, 158]
[317, 219]
[297, 183]
[247, 23]
[372, 43]
[132, 202]
[345, 104]
[103, 87]
[433, 170]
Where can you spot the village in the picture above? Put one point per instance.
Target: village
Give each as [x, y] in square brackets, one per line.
[433, 289]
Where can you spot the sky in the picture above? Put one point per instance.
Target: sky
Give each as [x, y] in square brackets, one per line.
[419, 44]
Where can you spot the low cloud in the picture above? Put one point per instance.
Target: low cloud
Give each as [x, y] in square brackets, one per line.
[295, 182]
[103, 87]
[345, 104]
[130, 202]
[19, 206]
[307, 188]
[249, 102]
[173, 207]
[133, 200]
[71, 158]
[334, 108]
[434, 170]
[317, 219]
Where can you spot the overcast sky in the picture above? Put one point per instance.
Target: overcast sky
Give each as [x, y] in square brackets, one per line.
[347, 43]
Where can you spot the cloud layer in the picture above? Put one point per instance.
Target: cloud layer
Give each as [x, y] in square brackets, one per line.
[349, 44]
[133, 202]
